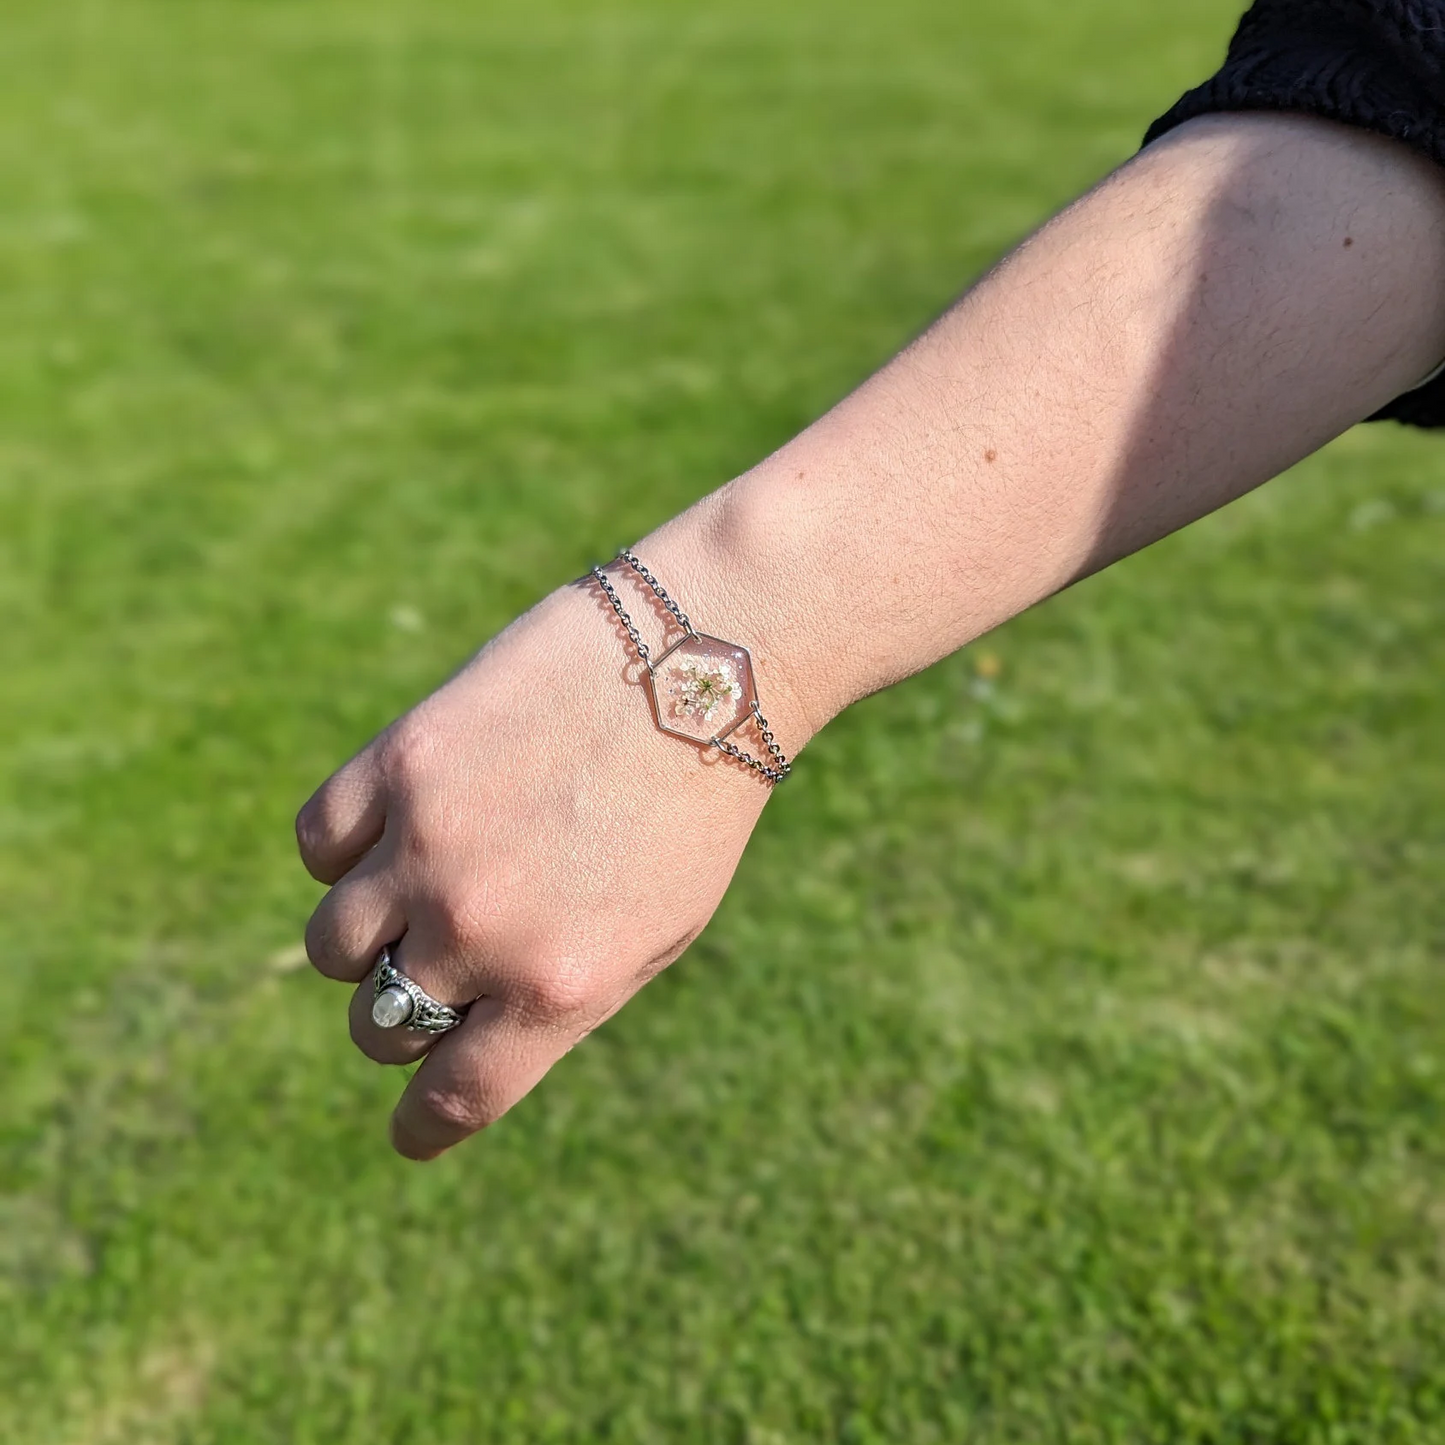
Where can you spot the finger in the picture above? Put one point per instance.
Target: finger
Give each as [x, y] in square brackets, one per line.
[445, 982]
[354, 921]
[342, 819]
[472, 1077]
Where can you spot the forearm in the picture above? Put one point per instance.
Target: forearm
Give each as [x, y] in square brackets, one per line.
[1223, 305]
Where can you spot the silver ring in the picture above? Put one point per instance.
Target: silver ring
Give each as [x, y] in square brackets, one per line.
[397, 1000]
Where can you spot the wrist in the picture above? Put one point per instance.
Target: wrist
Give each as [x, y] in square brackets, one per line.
[725, 561]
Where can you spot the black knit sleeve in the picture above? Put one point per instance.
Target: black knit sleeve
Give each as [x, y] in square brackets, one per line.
[1376, 64]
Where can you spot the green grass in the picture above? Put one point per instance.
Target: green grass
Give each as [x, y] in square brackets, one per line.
[1068, 1060]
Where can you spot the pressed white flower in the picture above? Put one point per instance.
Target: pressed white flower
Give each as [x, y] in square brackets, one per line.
[702, 688]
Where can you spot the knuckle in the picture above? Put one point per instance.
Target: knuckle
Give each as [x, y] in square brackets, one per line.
[454, 925]
[408, 748]
[317, 939]
[310, 829]
[456, 1109]
[466, 916]
[557, 992]
[331, 946]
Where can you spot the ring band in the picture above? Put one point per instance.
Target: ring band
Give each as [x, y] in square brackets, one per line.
[397, 1000]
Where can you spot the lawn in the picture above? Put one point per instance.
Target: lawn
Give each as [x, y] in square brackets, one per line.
[1068, 1061]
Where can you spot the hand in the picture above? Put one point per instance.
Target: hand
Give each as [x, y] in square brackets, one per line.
[535, 843]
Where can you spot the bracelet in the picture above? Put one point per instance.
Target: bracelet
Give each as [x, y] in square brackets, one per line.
[701, 687]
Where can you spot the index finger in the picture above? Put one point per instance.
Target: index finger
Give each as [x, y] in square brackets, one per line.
[343, 819]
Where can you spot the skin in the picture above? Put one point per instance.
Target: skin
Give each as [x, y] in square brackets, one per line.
[1221, 306]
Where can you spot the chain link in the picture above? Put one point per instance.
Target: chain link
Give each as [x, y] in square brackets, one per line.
[660, 590]
[622, 616]
[778, 767]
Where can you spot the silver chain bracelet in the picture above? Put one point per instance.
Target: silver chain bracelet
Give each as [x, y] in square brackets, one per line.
[701, 687]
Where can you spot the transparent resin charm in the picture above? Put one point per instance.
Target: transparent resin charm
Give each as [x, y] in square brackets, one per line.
[702, 688]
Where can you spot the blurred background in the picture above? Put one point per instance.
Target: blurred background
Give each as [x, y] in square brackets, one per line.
[1068, 1060]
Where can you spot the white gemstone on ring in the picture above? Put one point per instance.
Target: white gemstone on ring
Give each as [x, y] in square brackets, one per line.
[392, 1007]
[397, 1000]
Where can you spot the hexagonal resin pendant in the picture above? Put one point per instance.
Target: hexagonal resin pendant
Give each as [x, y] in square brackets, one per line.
[702, 688]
